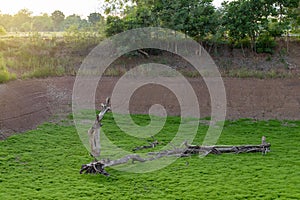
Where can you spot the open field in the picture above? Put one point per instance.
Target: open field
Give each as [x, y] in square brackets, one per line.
[45, 163]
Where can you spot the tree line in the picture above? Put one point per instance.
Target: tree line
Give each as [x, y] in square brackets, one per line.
[246, 23]
[23, 21]
[252, 23]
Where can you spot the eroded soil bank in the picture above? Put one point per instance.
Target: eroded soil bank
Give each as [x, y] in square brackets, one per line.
[26, 103]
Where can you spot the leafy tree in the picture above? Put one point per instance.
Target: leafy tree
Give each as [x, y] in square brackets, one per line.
[114, 25]
[265, 44]
[96, 22]
[171, 14]
[193, 17]
[95, 18]
[117, 7]
[25, 27]
[42, 23]
[6, 21]
[22, 20]
[72, 20]
[246, 18]
[84, 24]
[58, 18]
[75, 21]
[202, 19]
[139, 16]
[296, 19]
[287, 13]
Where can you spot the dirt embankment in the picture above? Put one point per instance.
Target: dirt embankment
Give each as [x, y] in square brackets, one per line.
[25, 104]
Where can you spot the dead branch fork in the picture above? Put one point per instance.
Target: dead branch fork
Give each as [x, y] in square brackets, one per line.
[94, 131]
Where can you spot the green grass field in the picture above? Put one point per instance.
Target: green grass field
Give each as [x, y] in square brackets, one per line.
[45, 164]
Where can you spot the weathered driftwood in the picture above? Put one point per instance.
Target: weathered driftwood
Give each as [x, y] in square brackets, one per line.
[151, 145]
[144, 53]
[94, 131]
[94, 168]
[99, 166]
[193, 149]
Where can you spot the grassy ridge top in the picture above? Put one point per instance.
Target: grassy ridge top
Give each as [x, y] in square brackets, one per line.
[39, 55]
[45, 163]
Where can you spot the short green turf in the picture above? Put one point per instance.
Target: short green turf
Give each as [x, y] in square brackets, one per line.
[45, 164]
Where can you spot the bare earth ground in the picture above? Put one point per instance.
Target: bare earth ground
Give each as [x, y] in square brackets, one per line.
[27, 103]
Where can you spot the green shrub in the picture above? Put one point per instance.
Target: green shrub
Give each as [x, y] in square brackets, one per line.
[265, 44]
[4, 76]
[4, 73]
[243, 43]
[2, 30]
[276, 29]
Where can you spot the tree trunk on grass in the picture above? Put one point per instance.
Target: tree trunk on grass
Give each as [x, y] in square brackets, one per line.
[94, 131]
[98, 167]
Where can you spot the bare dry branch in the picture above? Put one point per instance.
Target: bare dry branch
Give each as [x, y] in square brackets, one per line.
[94, 131]
[98, 167]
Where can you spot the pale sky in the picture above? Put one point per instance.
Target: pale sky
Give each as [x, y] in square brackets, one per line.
[68, 7]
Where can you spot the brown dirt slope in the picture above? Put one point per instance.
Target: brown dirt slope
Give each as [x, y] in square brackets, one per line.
[25, 104]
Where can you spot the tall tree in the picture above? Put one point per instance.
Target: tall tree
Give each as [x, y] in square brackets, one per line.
[117, 7]
[72, 20]
[193, 17]
[247, 18]
[114, 25]
[96, 22]
[94, 18]
[287, 13]
[58, 18]
[42, 23]
[22, 20]
[6, 21]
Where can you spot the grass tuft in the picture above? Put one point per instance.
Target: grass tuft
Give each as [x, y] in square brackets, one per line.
[5, 75]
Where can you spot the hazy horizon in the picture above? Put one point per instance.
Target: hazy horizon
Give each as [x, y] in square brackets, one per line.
[81, 7]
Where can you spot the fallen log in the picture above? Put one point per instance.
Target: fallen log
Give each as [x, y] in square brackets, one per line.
[193, 149]
[98, 167]
[144, 53]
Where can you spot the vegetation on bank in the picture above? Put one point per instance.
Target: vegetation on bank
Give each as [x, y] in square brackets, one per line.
[37, 56]
[40, 55]
[244, 23]
[45, 164]
[55, 44]
[5, 75]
